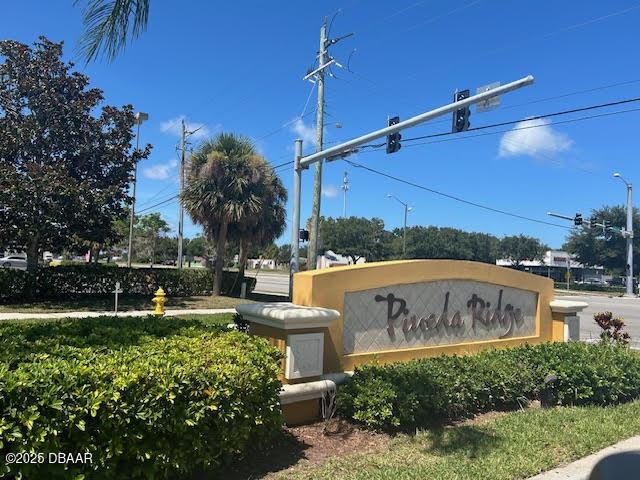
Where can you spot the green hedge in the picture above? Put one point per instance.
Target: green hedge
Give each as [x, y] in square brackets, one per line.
[421, 392]
[147, 398]
[64, 280]
[589, 287]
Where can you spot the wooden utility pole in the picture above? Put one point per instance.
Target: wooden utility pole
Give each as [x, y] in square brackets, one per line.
[317, 179]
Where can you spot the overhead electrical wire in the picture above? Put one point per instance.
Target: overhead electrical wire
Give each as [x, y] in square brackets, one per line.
[458, 136]
[454, 197]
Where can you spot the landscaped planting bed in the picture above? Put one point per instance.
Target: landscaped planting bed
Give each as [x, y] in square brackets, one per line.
[146, 397]
[427, 391]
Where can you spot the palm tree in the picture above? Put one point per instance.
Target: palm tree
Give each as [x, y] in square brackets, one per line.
[224, 188]
[263, 227]
[109, 23]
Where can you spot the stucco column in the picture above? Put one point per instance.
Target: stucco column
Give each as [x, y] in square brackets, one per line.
[566, 311]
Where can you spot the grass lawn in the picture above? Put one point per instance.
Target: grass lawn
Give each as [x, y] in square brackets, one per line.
[100, 303]
[513, 445]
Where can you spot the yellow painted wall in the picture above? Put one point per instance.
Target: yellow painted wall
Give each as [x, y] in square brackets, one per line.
[327, 288]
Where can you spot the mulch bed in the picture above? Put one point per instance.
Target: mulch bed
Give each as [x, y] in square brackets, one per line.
[306, 444]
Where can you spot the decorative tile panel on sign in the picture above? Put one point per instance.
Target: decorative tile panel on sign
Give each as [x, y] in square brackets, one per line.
[435, 313]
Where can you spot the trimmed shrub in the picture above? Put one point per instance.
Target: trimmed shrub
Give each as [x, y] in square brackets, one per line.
[150, 398]
[60, 281]
[421, 392]
[590, 287]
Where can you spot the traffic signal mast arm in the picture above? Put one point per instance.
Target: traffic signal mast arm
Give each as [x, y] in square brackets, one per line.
[579, 221]
[342, 148]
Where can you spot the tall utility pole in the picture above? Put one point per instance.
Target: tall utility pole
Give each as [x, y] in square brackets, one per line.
[183, 160]
[140, 117]
[317, 179]
[407, 209]
[345, 189]
[183, 140]
[628, 233]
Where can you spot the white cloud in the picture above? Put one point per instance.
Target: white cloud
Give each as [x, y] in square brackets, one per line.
[174, 127]
[329, 191]
[533, 138]
[160, 171]
[306, 132]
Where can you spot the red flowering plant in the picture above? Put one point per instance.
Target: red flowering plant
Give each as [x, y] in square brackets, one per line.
[611, 329]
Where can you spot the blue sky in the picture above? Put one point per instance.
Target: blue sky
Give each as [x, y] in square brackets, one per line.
[238, 66]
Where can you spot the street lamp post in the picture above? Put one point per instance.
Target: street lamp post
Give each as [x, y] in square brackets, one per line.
[140, 117]
[628, 233]
[407, 209]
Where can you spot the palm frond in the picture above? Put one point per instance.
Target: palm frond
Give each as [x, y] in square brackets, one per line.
[109, 24]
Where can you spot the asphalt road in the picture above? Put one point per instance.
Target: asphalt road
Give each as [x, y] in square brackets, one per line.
[271, 283]
[627, 308]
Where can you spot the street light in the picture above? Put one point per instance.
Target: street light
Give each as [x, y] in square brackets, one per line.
[628, 233]
[407, 209]
[139, 119]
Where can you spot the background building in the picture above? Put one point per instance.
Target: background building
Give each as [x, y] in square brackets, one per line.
[554, 265]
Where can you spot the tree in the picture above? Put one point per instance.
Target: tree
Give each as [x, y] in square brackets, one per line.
[262, 227]
[284, 254]
[64, 174]
[591, 247]
[195, 247]
[109, 24]
[518, 248]
[152, 226]
[224, 188]
[355, 237]
[270, 252]
[447, 243]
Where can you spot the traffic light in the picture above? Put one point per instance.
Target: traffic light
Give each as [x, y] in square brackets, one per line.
[304, 235]
[577, 221]
[461, 116]
[393, 140]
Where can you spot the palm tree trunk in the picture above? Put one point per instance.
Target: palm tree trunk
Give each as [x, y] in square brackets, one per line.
[242, 257]
[220, 244]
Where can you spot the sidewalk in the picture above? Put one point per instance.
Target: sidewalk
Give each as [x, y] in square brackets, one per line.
[133, 313]
[580, 469]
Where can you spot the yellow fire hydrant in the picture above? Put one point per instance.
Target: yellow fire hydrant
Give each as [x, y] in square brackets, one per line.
[160, 299]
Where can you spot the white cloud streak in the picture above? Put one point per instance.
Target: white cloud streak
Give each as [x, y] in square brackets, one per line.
[160, 171]
[533, 138]
[174, 127]
[329, 191]
[305, 132]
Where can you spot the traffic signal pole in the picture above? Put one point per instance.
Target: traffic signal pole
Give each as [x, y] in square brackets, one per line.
[629, 235]
[348, 147]
[294, 263]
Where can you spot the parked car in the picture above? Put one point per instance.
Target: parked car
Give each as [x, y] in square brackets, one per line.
[616, 282]
[14, 261]
[168, 262]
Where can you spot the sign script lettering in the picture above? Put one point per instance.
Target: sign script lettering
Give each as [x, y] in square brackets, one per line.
[506, 318]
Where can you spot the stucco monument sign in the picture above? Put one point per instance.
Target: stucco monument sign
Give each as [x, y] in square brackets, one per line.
[435, 313]
[343, 317]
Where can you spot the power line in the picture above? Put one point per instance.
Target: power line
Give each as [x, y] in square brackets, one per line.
[526, 127]
[535, 117]
[512, 44]
[374, 147]
[453, 197]
[174, 197]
